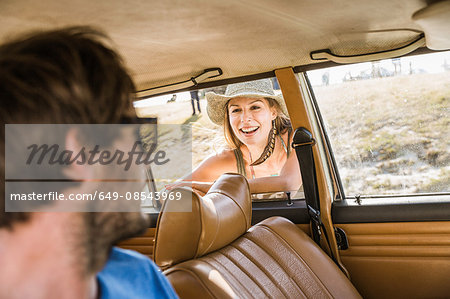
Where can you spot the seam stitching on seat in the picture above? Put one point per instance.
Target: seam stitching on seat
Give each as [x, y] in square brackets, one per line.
[243, 270]
[263, 226]
[230, 197]
[229, 273]
[264, 270]
[196, 277]
[215, 233]
[295, 252]
[200, 212]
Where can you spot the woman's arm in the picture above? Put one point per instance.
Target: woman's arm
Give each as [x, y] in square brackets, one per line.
[289, 180]
[213, 167]
[208, 171]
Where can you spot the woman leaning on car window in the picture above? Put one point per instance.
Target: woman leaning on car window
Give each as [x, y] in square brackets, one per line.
[258, 133]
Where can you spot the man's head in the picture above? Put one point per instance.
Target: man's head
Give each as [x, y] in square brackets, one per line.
[67, 76]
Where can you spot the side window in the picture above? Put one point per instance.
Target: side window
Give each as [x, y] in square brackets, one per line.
[388, 123]
[208, 137]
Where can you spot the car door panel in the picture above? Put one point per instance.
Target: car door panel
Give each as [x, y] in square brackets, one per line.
[402, 259]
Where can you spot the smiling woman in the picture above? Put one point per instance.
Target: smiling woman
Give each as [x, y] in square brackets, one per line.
[258, 134]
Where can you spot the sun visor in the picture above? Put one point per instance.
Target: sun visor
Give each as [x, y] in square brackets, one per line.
[435, 21]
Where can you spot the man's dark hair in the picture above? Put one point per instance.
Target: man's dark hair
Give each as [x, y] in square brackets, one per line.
[66, 76]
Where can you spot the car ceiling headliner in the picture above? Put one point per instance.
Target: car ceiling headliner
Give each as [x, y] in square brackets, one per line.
[172, 40]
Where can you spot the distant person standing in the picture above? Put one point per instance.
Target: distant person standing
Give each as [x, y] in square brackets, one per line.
[194, 96]
[172, 99]
[326, 78]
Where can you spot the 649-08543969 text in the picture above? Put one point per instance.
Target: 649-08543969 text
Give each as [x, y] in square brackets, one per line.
[53, 196]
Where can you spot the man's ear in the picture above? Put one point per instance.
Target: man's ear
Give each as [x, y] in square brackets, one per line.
[79, 168]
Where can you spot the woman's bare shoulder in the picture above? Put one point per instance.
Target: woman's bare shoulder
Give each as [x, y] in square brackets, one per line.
[215, 165]
[225, 158]
[226, 154]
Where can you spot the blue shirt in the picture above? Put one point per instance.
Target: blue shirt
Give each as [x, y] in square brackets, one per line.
[130, 275]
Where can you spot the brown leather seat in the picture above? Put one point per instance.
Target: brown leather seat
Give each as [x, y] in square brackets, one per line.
[212, 252]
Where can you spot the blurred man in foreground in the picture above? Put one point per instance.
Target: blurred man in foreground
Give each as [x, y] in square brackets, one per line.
[68, 76]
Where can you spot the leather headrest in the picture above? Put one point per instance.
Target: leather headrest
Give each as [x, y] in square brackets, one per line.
[215, 220]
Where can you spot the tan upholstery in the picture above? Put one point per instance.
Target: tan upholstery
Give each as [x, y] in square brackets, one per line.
[215, 220]
[399, 259]
[142, 244]
[225, 259]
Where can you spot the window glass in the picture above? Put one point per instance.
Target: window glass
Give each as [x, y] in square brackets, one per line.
[207, 137]
[388, 123]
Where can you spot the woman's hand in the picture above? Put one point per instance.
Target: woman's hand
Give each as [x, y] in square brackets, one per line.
[203, 187]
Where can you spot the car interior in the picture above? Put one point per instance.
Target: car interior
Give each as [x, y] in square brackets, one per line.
[357, 230]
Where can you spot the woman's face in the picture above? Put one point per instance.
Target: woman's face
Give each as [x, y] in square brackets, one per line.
[251, 119]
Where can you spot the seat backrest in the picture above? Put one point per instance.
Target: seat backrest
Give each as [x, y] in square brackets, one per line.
[211, 251]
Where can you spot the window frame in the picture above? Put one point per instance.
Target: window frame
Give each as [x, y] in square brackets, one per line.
[373, 208]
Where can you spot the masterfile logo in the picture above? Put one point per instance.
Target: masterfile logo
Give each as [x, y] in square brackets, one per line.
[75, 168]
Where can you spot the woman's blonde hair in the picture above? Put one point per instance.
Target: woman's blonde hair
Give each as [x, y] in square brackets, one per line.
[282, 124]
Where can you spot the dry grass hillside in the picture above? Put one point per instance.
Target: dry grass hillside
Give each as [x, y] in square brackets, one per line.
[390, 135]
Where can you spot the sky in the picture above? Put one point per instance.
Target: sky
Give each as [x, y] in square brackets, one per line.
[181, 97]
[430, 63]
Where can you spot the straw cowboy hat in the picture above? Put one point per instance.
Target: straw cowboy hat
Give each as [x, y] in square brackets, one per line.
[251, 89]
